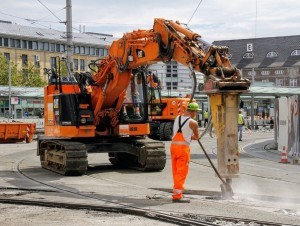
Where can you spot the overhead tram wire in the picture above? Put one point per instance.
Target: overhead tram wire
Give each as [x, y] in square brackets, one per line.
[194, 12]
[51, 11]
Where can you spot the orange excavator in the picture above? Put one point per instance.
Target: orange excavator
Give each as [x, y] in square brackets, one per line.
[84, 113]
[162, 109]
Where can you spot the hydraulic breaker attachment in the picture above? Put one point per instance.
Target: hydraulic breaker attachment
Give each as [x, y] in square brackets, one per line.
[224, 111]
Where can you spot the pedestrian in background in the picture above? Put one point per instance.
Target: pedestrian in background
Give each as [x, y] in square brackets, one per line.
[185, 129]
[206, 116]
[240, 125]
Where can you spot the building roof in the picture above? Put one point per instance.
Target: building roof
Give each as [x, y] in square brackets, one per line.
[274, 91]
[51, 35]
[22, 91]
[282, 46]
[257, 91]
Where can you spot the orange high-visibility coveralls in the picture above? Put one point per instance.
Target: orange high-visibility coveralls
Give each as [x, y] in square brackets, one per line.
[180, 154]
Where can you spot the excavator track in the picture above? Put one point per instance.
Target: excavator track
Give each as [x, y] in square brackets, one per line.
[151, 156]
[64, 157]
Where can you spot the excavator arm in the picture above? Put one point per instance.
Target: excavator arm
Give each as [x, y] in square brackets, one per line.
[168, 40]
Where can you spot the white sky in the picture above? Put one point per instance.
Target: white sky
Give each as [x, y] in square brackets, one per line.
[214, 19]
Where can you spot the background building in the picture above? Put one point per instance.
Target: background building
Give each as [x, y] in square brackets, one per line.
[272, 65]
[41, 47]
[273, 60]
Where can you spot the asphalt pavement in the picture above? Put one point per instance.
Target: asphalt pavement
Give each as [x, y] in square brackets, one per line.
[153, 194]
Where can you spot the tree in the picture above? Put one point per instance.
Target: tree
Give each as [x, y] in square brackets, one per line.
[4, 71]
[29, 75]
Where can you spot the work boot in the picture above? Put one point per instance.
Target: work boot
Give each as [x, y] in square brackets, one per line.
[137, 116]
[125, 116]
[182, 200]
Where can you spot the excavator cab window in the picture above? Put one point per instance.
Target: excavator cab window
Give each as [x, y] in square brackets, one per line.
[154, 100]
[134, 106]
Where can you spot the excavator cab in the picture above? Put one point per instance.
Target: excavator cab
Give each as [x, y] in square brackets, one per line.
[154, 99]
[134, 109]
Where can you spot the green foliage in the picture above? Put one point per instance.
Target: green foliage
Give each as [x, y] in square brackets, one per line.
[4, 70]
[27, 76]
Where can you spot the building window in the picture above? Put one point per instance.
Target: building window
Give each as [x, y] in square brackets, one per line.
[252, 73]
[279, 72]
[12, 43]
[272, 54]
[5, 42]
[7, 56]
[248, 56]
[82, 65]
[92, 51]
[87, 50]
[81, 50]
[53, 62]
[18, 43]
[0, 41]
[41, 46]
[175, 84]
[293, 82]
[34, 45]
[265, 72]
[52, 47]
[101, 52]
[76, 49]
[62, 48]
[105, 52]
[76, 64]
[57, 47]
[24, 60]
[30, 45]
[296, 52]
[279, 82]
[168, 84]
[24, 44]
[97, 52]
[46, 46]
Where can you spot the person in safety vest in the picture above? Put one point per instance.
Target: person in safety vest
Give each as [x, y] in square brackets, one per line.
[240, 125]
[206, 116]
[185, 129]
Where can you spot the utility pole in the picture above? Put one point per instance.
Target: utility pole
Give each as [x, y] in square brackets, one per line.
[69, 34]
[9, 91]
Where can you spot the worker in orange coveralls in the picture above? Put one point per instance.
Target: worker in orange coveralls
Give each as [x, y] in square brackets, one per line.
[185, 129]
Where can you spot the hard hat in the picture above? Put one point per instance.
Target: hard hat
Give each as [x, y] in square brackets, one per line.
[193, 107]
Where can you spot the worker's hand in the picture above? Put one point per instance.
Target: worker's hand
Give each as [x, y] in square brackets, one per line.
[194, 137]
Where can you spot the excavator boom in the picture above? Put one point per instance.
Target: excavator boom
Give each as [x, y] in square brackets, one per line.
[168, 40]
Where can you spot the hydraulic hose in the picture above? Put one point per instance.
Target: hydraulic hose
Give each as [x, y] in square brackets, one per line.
[194, 79]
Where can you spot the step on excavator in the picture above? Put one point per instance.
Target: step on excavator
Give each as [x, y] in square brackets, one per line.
[84, 112]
